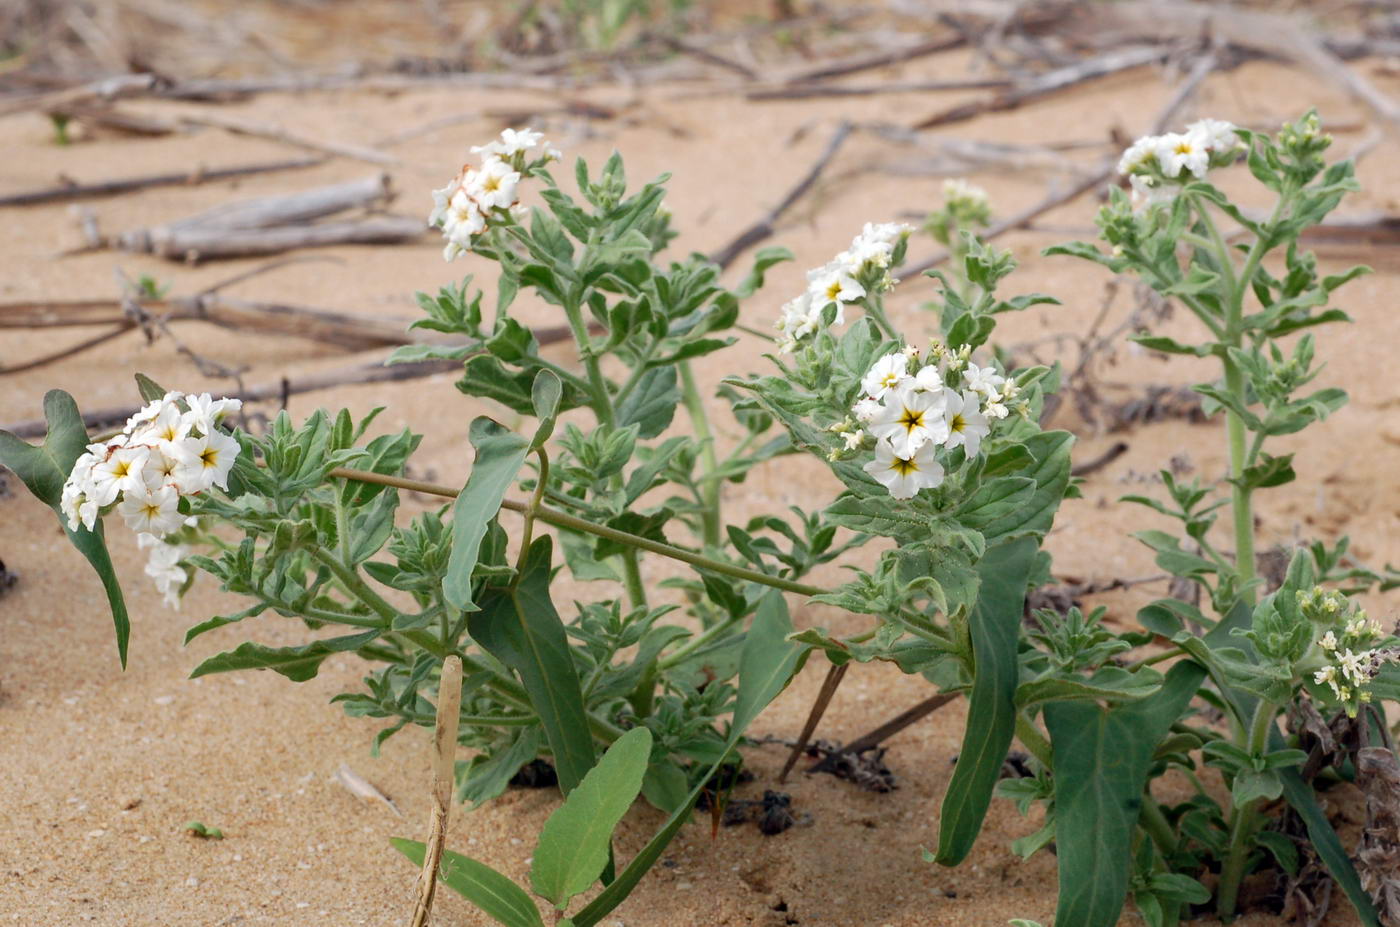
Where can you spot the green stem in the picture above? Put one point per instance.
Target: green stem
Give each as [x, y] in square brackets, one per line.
[699, 641]
[1156, 824]
[875, 308]
[709, 484]
[350, 579]
[1155, 659]
[1034, 741]
[1243, 820]
[597, 385]
[564, 520]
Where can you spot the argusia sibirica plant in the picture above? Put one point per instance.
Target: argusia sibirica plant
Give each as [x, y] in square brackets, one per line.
[1287, 670]
[600, 457]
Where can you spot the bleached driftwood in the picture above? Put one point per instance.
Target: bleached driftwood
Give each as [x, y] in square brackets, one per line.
[67, 189]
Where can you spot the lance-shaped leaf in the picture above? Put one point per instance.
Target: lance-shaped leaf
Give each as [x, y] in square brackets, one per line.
[494, 893]
[575, 841]
[520, 627]
[1101, 759]
[296, 663]
[500, 453]
[44, 470]
[995, 625]
[768, 663]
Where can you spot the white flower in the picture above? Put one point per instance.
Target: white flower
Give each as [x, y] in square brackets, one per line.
[121, 471]
[203, 461]
[929, 379]
[866, 410]
[440, 200]
[905, 476]
[984, 380]
[853, 438]
[152, 410]
[494, 185]
[169, 424]
[1218, 134]
[152, 511]
[163, 567]
[800, 319]
[511, 142]
[207, 413]
[886, 375]
[957, 190]
[875, 244]
[834, 284]
[1138, 155]
[996, 405]
[1328, 642]
[909, 419]
[78, 507]
[1328, 675]
[1353, 666]
[1177, 151]
[160, 469]
[1148, 192]
[964, 424]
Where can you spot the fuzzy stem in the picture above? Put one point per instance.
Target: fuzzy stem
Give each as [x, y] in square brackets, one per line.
[1034, 741]
[564, 520]
[1243, 820]
[709, 485]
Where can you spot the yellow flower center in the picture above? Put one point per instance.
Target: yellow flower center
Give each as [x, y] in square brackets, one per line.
[210, 457]
[904, 467]
[833, 290]
[958, 423]
[1183, 147]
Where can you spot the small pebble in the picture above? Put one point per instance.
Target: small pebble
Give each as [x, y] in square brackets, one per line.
[96, 833]
[164, 699]
[192, 882]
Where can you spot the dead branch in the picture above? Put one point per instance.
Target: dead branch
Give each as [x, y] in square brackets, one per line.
[877, 60]
[111, 88]
[201, 244]
[68, 189]
[1271, 34]
[1045, 84]
[764, 227]
[373, 372]
[811, 91]
[444, 778]
[879, 735]
[830, 684]
[279, 134]
[268, 211]
[1203, 67]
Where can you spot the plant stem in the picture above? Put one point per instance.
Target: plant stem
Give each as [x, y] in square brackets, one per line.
[681, 653]
[1242, 820]
[564, 520]
[1156, 824]
[1034, 741]
[709, 484]
[598, 386]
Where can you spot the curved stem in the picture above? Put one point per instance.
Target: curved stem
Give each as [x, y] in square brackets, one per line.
[528, 530]
[1035, 742]
[564, 520]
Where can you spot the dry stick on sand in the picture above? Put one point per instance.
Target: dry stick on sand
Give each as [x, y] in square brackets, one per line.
[764, 227]
[444, 751]
[885, 731]
[834, 675]
[112, 88]
[278, 134]
[68, 189]
[1045, 84]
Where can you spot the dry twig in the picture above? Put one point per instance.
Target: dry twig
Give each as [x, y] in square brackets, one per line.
[444, 751]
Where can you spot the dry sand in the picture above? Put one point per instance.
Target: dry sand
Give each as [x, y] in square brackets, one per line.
[100, 768]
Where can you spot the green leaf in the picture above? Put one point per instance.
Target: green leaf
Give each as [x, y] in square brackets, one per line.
[149, 389]
[1111, 683]
[1051, 473]
[763, 259]
[44, 470]
[1325, 842]
[994, 625]
[1101, 759]
[995, 499]
[489, 777]
[520, 627]
[492, 892]
[652, 404]
[768, 664]
[371, 526]
[544, 396]
[296, 663]
[574, 843]
[417, 353]
[500, 453]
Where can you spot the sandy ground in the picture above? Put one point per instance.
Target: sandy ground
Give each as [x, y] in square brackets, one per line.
[100, 768]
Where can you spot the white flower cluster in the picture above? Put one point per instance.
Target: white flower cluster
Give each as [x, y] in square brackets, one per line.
[1352, 660]
[1155, 163]
[911, 410]
[961, 196]
[171, 448]
[844, 279]
[465, 207]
